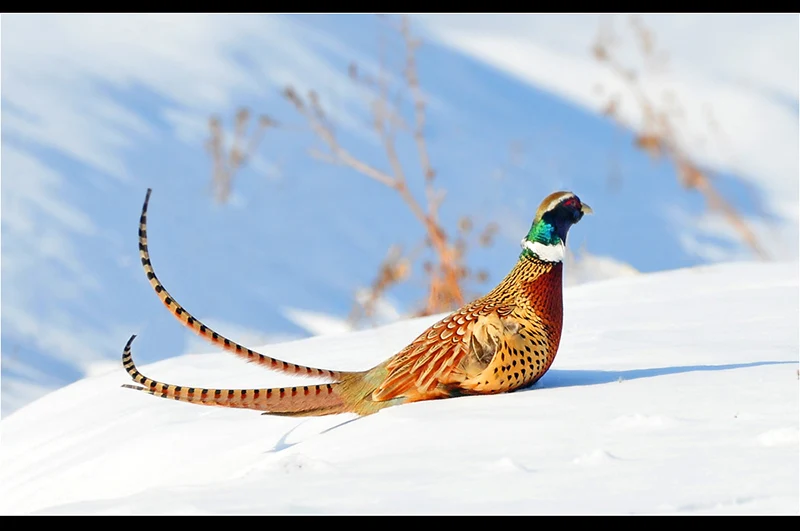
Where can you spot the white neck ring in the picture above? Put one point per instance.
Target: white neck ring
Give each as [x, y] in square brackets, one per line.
[547, 253]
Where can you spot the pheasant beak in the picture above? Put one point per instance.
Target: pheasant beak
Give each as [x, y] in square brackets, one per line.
[586, 209]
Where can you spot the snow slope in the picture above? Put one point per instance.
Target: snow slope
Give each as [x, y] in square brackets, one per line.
[673, 392]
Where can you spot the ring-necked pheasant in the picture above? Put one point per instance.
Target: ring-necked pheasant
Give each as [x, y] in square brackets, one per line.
[500, 342]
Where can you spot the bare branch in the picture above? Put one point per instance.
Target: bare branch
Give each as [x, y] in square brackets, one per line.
[658, 137]
[225, 167]
[412, 80]
[444, 259]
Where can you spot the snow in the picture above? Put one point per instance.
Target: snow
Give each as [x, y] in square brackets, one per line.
[673, 392]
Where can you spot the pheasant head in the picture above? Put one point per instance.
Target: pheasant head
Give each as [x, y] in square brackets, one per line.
[548, 234]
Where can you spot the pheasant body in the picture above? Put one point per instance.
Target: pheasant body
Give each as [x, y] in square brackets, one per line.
[501, 342]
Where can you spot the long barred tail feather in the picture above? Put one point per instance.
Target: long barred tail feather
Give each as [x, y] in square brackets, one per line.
[321, 399]
[202, 330]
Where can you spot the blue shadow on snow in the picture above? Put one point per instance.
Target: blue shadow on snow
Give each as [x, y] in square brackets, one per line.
[571, 377]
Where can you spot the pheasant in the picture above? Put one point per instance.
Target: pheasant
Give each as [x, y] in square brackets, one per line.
[503, 341]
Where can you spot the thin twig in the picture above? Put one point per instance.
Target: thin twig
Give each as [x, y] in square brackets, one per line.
[659, 138]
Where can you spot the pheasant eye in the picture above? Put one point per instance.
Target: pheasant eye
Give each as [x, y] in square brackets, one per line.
[571, 202]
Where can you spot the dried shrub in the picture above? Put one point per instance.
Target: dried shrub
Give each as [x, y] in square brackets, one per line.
[658, 135]
[227, 160]
[442, 253]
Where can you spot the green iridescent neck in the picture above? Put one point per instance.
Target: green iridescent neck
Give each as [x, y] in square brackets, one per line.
[543, 237]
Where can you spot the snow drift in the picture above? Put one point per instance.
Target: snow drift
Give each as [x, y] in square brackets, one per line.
[673, 392]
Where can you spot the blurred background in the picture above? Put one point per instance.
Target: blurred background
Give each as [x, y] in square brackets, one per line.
[318, 174]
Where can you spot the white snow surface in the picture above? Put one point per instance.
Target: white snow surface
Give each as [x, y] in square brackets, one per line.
[672, 392]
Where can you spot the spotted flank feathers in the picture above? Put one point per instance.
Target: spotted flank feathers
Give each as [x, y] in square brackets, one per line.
[500, 342]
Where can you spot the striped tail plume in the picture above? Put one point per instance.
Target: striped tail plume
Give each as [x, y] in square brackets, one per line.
[308, 400]
[207, 333]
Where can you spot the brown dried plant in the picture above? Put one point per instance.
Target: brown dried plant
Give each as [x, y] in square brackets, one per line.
[227, 160]
[442, 253]
[658, 136]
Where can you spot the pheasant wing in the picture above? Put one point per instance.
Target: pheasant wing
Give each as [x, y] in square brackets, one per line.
[449, 352]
